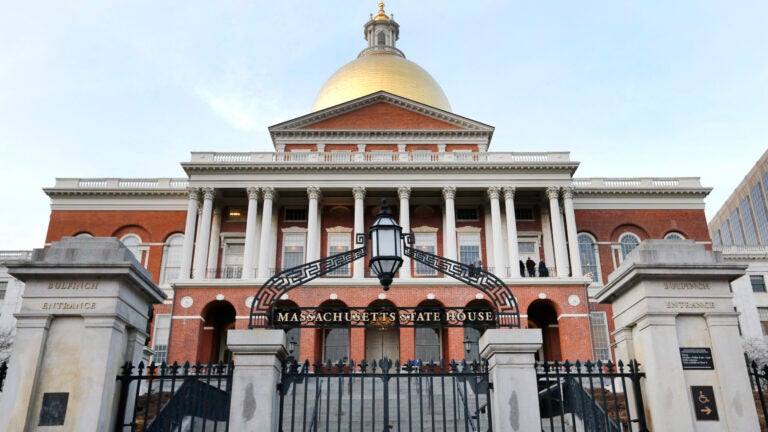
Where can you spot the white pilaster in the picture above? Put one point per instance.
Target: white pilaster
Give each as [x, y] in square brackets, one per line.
[498, 246]
[358, 266]
[404, 193]
[213, 249]
[249, 263]
[201, 254]
[561, 256]
[514, 254]
[265, 247]
[189, 235]
[313, 229]
[449, 248]
[570, 227]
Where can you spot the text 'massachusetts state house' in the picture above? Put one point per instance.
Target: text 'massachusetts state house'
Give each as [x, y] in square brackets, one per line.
[381, 127]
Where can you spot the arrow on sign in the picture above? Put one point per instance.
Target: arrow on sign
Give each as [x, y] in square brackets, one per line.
[706, 410]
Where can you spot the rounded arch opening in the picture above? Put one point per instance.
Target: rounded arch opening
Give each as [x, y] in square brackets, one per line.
[219, 317]
[542, 314]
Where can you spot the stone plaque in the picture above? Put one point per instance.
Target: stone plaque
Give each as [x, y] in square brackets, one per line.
[704, 403]
[54, 409]
[696, 358]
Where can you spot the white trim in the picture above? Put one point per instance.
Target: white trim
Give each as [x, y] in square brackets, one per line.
[294, 230]
[339, 230]
[468, 229]
[424, 229]
[176, 317]
[573, 316]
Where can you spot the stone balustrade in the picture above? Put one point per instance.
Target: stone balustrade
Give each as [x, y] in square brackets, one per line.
[417, 157]
[637, 183]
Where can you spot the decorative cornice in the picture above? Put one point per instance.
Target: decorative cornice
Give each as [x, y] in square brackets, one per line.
[370, 135]
[57, 193]
[387, 166]
[424, 229]
[339, 229]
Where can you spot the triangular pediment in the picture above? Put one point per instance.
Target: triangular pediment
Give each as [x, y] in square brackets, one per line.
[381, 111]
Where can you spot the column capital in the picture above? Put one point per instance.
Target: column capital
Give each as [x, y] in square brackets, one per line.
[404, 192]
[208, 193]
[449, 192]
[358, 192]
[194, 193]
[313, 192]
[494, 192]
[253, 193]
[269, 192]
[553, 192]
[567, 192]
[509, 192]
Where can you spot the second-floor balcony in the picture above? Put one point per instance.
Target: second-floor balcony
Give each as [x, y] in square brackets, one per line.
[373, 157]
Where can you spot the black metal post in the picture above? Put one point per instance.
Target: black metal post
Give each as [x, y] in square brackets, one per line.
[125, 380]
[635, 377]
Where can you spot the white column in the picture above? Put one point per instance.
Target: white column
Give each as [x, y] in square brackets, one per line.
[201, 254]
[195, 261]
[213, 249]
[189, 235]
[404, 192]
[561, 257]
[358, 266]
[449, 248]
[512, 366]
[265, 251]
[498, 245]
[249, 263]
[570, 227]
[514, 253]
[313, 230]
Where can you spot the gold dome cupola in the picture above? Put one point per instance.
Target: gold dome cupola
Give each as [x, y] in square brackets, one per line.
[381, 66]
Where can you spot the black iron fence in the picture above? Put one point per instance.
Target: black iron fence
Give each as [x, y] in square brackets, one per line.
[3, 373]
[758, 377]
[590, 397]
[384, 395]
[160, 398]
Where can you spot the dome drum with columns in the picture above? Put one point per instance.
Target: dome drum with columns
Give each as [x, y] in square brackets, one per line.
[381, 127]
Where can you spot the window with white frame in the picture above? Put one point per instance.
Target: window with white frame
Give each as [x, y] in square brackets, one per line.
[758, 283]
[232, 259]
[628, 242]
[160, 338]
[133, 243]
[763, 314]
[674, 236]
[84, 235]
[589, 255]
[338, 243]
[469, 249]
[601, 342]
[426, 242]
[526, 247]
[294, 245]
[171, 265]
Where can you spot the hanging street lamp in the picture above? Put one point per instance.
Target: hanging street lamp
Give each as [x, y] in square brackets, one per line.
[385, 237]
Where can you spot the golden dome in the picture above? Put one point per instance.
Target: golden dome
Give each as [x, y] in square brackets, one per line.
[381, 71]
[381, 15]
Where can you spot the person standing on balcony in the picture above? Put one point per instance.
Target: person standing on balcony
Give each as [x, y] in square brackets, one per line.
[531, 266]
[543, 270]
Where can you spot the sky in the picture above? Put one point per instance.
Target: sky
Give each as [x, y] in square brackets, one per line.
[128, 89]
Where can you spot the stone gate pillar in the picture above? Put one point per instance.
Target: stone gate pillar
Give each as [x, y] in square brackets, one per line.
[673, 312]
[512, 370]
[83, 315]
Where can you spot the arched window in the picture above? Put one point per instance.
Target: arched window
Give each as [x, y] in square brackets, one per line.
[84, 235]
[132, 242]
[628, 242]
[589, 256]
[674, 236]
[172, 252]
[335, 335]
[429, 337]
[381, 39]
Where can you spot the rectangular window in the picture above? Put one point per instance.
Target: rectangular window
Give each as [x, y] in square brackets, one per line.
[524, 214]
[233, 261]
[338, 243]
[295, 215]
[726, 231]
[758, 283]
[426, 242]
[293, 249]
[600, 339]
[467, 214]
[160, 339]
[763, 313]
[761, 213]
[749, 223]
[716, 239]
[526, 247]
[738, 233]
[469, 249]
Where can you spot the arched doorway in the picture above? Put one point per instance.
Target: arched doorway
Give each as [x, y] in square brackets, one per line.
[382, 336]
[474, 328]
[333, 337]
[430, 337]
[542, 315]
[219, 317]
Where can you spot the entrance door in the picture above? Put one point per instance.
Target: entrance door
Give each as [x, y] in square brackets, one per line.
[382, 343]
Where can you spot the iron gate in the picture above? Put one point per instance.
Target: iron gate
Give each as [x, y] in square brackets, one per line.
[385, 395]
[174, 398]
[590, 397]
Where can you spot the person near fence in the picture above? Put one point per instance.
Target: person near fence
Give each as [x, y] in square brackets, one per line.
[531, 266]
[543, 270]
[522, 269]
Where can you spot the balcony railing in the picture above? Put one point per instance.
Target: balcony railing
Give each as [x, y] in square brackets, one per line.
[344, 157]
[742, 250]
[14, 255]
[121, 183]
[637, 183]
